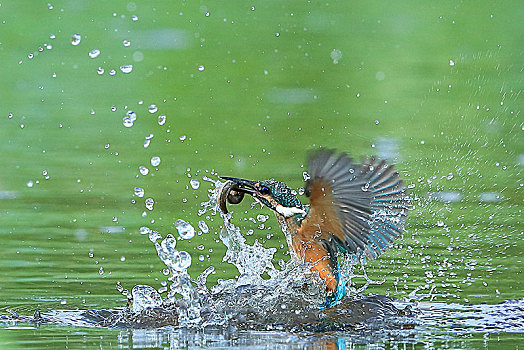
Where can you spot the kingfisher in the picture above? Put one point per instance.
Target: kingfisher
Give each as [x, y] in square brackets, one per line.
[354, 209]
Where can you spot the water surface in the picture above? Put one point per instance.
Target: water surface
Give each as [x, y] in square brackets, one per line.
[246, 89]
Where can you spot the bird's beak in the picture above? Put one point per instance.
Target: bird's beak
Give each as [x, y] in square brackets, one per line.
[242, 185]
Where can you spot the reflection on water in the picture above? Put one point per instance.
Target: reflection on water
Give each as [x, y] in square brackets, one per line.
[434, 324]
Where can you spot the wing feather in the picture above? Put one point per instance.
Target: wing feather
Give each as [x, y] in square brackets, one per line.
[368, 201]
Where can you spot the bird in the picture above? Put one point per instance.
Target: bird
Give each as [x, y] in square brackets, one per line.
[354, 209]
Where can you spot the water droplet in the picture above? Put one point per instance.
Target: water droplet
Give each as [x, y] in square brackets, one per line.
[185, 230]
[100, 70]
[377, 122]
[195, 184]
[147, 142]
[155, 161]
[101, 271]
[161, 119]
[94, 53]
[203, 226]
[126, 68]
[336, 55]
[127, 43]
[30, 183]
[127, 122]
[182, 138]
[201, 68]
[152, 109]
[139, 192]
[134, 18]
[122, 258]
[145, 230]
[154, 236]
[451, 63]
[262, 218]
[143, 170]
[52, 36]
[131, 115]
[440, 223]
[182, 260]
[75, 40]
[112, 72]
[149, 203]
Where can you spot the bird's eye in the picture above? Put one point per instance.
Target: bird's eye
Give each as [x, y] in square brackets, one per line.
[264, 190]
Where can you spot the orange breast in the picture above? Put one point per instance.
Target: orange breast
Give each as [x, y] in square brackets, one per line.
[312, 252]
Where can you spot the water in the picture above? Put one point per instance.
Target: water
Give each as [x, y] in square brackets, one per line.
[276, 79]
[282, 309]
[126, 68]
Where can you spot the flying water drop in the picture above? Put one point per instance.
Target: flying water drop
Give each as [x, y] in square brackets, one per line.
[152, 109]
[145, 230]
[127, 122]
[336, 55]
[185, 230]
[75, 40]
[195, 184]
[131, 115]
[94, 53]
[203, 226]
[150, 202]
[126, 68]
[161, 119]
[139, 192]
[155, 161]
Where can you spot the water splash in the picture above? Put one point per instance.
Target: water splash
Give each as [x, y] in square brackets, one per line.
[292, 294]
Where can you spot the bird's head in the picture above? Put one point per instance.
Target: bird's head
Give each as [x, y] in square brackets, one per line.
[275, 195]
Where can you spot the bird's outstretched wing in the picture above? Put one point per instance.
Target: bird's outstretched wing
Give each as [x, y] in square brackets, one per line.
[358, 208]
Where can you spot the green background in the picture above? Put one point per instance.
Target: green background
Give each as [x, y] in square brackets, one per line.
[437, 86]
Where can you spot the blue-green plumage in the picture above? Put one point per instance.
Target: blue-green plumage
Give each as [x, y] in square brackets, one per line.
[354, 209]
